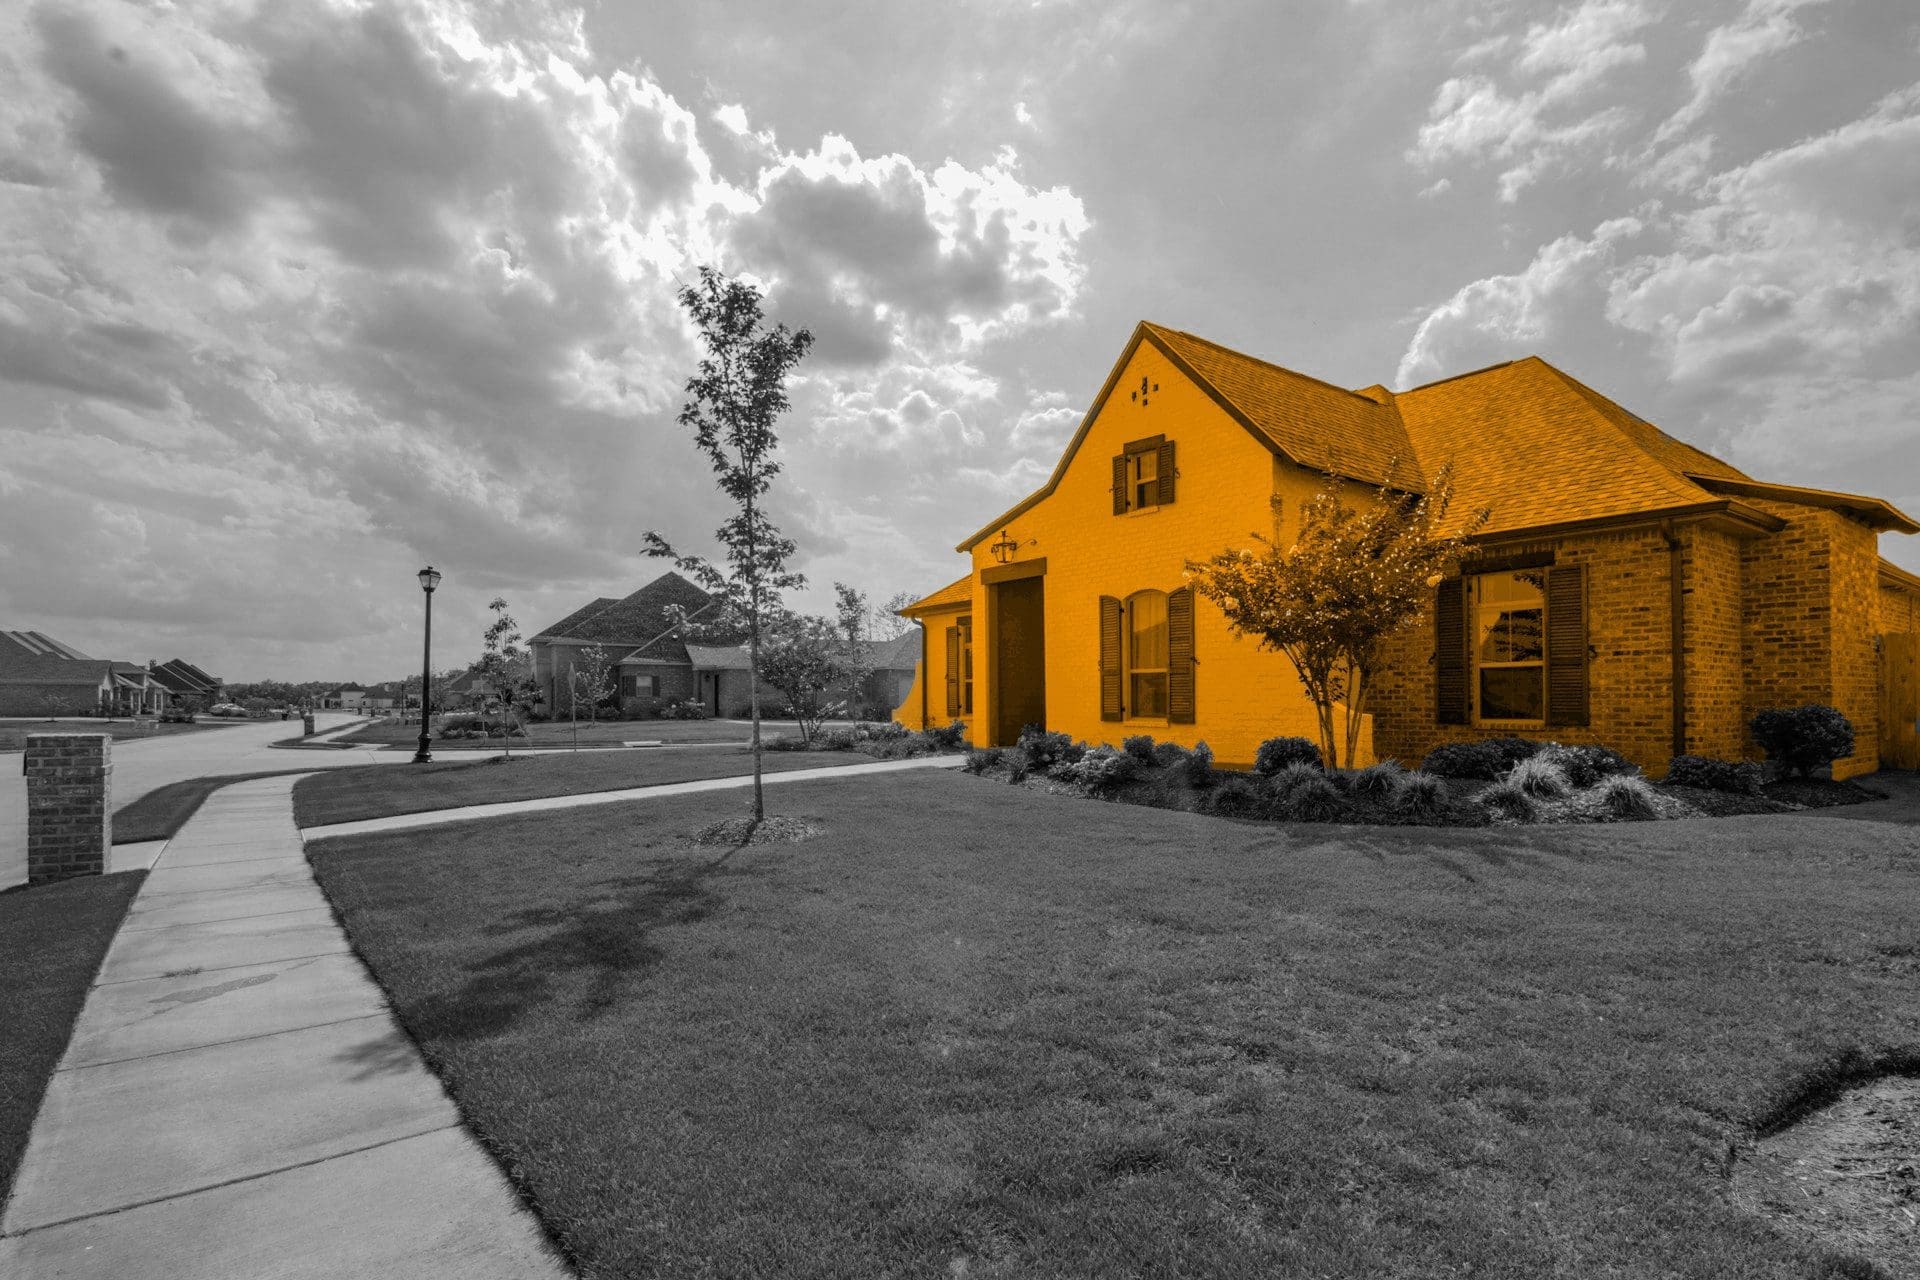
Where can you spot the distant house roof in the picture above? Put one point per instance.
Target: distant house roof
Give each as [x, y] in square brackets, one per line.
[709, 657]
[37, 642]
[642, 621]
[897, 654]
[182, 676]
[17, 666]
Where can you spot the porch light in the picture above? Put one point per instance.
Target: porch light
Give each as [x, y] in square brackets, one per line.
[1004, 549]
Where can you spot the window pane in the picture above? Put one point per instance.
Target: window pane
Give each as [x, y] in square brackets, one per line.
[1144, 471]
[1150, 694]
[1147, 630]
[1512, 635]
[1512, 693]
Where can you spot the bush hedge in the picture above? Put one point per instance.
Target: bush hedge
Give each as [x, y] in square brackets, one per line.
[1802, 739]
[1487, 759]
[1716, 775]
[1276, 754]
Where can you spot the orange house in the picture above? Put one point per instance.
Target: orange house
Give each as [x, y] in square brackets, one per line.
[1629, 589]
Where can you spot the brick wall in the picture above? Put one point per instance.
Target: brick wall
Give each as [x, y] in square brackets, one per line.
[1629, 673]
[32, 699]
[1714, 644]
[69, 809]
[1899, 611]
[1812, 613]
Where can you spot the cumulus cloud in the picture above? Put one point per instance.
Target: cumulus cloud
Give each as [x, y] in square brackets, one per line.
[383, 283]
[1537, 112]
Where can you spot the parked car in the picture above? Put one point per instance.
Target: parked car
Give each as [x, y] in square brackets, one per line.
[229, 710]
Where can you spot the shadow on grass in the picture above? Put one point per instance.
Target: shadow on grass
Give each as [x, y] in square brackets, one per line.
[583, 956]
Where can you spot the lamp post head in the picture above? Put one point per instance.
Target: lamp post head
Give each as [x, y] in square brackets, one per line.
[429, 579]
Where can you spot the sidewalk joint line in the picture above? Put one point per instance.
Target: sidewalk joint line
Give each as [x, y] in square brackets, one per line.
[257, 915]
[215, 1044]
[251, 964]
[230, 1182]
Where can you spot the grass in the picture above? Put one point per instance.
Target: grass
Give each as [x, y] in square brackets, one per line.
[13, 733]
[559, 734]
[52, 939]
[159, 814]
[976, 1030]
[380, 791]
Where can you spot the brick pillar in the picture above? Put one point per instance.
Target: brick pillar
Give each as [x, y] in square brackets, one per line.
[69, 805]
[306, 720]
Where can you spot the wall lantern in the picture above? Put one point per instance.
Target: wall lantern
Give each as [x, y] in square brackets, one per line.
[1004, 549]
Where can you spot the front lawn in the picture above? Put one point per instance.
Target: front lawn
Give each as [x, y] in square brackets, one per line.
[559, 734]
[975, 1030]
[380, 791]
[52, 939]
[13, 733]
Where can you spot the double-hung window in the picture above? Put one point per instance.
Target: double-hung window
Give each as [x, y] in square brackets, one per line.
[1146, 634]
[1509, 647]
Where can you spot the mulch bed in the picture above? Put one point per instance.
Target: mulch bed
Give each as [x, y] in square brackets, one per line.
[735, 832]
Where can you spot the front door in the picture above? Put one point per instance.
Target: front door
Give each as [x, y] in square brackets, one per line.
[1020, 657]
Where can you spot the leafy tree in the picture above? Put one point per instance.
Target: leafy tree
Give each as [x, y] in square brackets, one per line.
[805, 659]
[733, 401]
[854, 621]
[1354, 577]
[590, 682]
[887, 622]
[507, 681]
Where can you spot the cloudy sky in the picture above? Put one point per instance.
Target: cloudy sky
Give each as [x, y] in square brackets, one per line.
[295, 297]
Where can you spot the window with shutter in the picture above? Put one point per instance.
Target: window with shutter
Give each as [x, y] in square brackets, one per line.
[1110, 618]
[1146, 690]
[1181, 708]
[953, 671]
[1143, 475]
[1450, 652]
[1508, 635]
[1567, 646]
[966, 666]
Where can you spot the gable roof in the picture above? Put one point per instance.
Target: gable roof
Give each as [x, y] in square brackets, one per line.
[959, 591]
[18, 666]
[578, 616]
[182, 676]
[37, 642]
[717, 657]
[897, 654]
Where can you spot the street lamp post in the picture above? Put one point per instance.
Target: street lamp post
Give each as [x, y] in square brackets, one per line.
[428, 581]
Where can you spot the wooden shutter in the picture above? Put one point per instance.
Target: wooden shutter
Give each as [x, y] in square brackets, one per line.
[1110, 621]
[1567, 646]
[1166, 472]
[1450, 652]
[953, 671]
[1120, 484]
[1180, 704]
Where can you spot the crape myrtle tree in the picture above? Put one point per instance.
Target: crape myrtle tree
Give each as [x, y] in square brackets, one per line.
[1355, 576]
[500, 670]
[590, 682]
[805, 659]
[733, 400]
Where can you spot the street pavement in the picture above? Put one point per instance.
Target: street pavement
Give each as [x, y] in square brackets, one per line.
[146, 764]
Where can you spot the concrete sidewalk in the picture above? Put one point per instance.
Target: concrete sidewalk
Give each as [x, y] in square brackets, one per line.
[237, 1100]
[507, 808]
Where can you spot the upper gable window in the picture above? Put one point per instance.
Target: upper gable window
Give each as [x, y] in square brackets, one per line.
[1143, 475]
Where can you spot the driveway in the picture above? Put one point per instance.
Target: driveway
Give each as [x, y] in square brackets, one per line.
[147, 764]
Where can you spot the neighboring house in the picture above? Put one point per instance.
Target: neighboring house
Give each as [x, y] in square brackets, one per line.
[184, 680]
[640, 637]
[136, 692]
[1629, 589]
[721, 684]
[39, 676]
[348, 697]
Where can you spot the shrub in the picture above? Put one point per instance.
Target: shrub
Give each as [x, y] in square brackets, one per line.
[1311, 798]
[1276, 754]
[1489, 758]
[1508, 799]
[1169, 754]
[1380, 781]
[1540, 778]
[981, 761]
[950, 738]
[1197, 769]
[1295, 775]
[785, 742]
[1100, 769]
[1236, 796]
[1140, 747]
[1802, 739]
[1586, 765]
[460, 726]
[1018, 763]
[689, 709]
[1626, 796]
[1421, 795]
[837, 739]
[1046, 750]
[885, 731]
[1715, 775]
